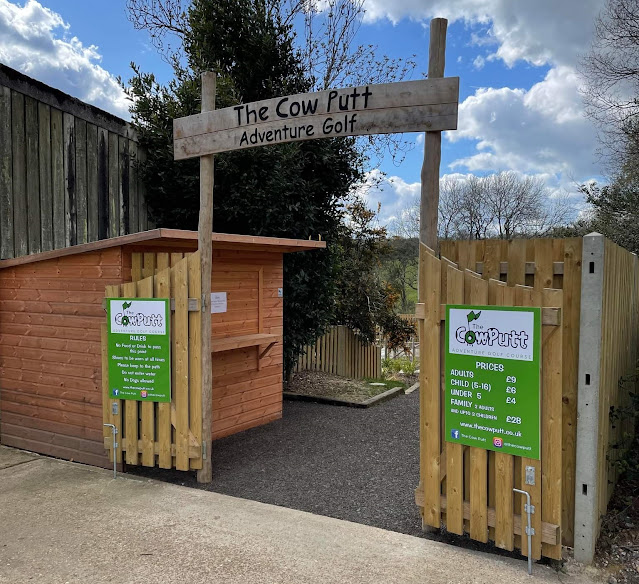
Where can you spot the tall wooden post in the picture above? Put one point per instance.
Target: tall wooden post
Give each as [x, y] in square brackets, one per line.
[204, 242]
[432, 143]
[428, 238]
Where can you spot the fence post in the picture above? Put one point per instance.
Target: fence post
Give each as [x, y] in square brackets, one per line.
[587, 463]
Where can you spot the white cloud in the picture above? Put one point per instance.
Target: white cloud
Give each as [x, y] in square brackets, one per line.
[479, 62]
[540, 32]
[35, 40]
[539, 131]
[392, 194]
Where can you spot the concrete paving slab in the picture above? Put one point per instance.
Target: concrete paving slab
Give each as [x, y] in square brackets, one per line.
[12, 456]
[68, 523]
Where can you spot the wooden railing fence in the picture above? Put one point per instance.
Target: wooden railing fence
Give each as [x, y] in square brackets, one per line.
[342, 352]
[467, 489]
[168, 435]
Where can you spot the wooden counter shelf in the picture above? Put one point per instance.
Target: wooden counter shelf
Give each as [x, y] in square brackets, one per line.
[239, 342]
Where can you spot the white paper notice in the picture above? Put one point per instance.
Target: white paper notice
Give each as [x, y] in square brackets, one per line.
[218, 302]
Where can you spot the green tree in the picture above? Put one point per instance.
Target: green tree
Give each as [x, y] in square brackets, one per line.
[400, 270]
[364, 299]
[290, 190]
[614, 213]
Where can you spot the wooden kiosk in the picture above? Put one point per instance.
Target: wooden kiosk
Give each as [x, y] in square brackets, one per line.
[53, 395]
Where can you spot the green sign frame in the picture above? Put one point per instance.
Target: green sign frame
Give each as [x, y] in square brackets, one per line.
[139, 348]
[493, 378]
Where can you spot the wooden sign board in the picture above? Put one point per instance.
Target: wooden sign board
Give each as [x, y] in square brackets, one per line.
[410, 106]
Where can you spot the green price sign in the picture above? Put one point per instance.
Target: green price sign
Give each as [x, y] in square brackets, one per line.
[493, 378]
[139, 345]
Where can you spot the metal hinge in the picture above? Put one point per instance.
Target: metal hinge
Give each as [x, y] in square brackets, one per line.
[203, 450]
[530, 530]
[529, 508]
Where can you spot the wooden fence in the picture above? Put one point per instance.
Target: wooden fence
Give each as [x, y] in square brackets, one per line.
[469, 489]
[67, 170]
[342, 352]
[168, 435]
[540, 264]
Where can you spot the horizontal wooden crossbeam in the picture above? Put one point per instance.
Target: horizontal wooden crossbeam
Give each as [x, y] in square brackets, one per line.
[550, 533]
[557, 268]
[193, 452]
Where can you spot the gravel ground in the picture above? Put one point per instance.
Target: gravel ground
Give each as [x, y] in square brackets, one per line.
[361, 465]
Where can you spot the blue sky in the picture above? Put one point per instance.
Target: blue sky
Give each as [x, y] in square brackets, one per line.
[520, 107]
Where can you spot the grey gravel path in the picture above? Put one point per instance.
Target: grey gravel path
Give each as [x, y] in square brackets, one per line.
[361, 465]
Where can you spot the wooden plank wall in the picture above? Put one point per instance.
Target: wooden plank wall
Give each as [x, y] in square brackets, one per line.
[540, 264]
[618, 366]
[67, 170]
[467, 489]
[243, 395]
[50, 359]
[342, 352]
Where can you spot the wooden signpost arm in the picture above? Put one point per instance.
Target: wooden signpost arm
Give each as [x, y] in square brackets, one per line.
[205, 233]
[432, 142]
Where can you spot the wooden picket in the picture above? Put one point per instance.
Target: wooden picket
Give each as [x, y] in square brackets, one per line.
[468, 489]
[168, 435]
[340, 351]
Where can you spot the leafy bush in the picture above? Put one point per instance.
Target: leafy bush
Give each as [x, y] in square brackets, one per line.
[398, 365]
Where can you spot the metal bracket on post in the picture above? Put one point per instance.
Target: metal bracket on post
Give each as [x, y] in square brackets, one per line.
[530, 531]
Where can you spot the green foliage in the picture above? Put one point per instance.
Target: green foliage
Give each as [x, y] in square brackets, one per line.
[292, 190]
[394, 366]
[627, 415]
[615, 211]
[400, 267]
[364, 301]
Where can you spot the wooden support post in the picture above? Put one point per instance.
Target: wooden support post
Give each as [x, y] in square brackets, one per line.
[428, 239]
[432, 143]
[205, 235]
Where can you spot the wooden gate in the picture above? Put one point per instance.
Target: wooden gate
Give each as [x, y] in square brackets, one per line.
[467, 489]
[168, 435]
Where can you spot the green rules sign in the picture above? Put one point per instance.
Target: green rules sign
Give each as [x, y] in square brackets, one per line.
[139, 345]
[493, 378]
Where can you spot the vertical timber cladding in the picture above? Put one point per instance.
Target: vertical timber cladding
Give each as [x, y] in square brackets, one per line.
[410, 106]
[67, 170]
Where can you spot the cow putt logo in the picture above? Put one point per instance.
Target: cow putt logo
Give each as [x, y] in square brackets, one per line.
[133, 316]
[487, 332]
[128, 317]
[475, 334]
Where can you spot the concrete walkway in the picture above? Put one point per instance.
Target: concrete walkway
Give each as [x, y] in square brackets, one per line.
[62, 522]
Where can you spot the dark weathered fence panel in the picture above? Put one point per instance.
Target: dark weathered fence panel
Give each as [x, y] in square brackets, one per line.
[67, 170]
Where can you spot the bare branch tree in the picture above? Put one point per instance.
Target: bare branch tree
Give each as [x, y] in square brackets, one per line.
[165, 20]
[611, 76]
[503, 206]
